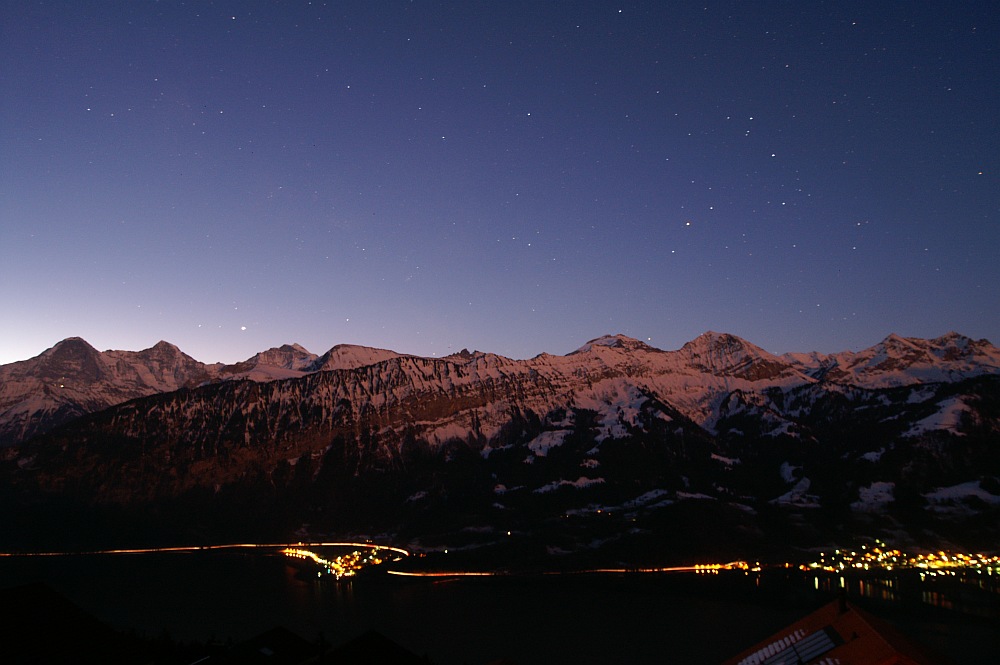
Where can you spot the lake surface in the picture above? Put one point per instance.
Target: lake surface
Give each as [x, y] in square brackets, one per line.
[674, 618]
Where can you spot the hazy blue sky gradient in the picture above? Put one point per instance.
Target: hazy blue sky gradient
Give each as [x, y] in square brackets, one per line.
[510, 176]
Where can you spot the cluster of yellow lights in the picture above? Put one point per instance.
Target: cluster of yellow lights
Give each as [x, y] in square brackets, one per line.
[701, 569]
[345, 565]
[881, 557]
[714, 568]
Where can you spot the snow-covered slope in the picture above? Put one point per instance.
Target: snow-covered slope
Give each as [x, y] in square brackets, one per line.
[899, 361]
[719, 421]
[284, 362]
[350, 356]
[610, 374]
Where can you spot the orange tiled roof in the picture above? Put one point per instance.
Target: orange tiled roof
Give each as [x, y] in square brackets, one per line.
[836, 634]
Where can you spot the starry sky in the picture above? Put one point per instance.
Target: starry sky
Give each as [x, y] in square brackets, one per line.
[510, 176]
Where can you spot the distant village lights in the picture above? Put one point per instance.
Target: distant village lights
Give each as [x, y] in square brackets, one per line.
[346, 565]
[880, 557]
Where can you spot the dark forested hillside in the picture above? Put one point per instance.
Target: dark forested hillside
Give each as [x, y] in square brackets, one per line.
[618, 451]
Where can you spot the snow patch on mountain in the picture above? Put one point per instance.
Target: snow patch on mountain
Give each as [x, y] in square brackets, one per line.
[288, 361]
[920, 394]
[613, 375]
[899, 361]
[874, 455]
[618, 402]
[447, 430]
[615, 342]
[875, 497]
[789, 472]
[580, 483]
[545, 441]
[350, 356]
[651, 500]
[948, 418]
[695, 496]
[956, 498]
[799, 495]
[782, 428]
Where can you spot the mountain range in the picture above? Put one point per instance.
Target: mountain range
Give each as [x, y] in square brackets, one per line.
[617, 447]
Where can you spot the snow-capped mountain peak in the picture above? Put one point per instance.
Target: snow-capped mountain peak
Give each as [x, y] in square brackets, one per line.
[283, 362]
[898, 360]
[73, 378]
[286, 356]
[351, 356]
[713, 421]
[72, 357]
[725, 354]
[617, 341]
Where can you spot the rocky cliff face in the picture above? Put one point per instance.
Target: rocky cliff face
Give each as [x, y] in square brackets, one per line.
[72, 379]
[616, 428]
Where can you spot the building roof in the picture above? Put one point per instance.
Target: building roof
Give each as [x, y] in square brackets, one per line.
[837, 634]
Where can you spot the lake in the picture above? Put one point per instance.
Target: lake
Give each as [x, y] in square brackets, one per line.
[673, 618]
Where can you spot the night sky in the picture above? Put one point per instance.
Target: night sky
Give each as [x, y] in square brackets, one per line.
[508, 176]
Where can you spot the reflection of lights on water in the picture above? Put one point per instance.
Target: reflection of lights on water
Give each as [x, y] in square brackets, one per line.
[346, 565]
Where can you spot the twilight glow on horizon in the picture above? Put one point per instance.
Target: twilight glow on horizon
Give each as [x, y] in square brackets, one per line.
[513, 177]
